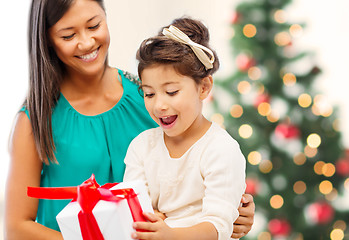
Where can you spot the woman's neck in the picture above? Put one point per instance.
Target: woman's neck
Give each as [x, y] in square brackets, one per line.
[75, 84]
[93, 95]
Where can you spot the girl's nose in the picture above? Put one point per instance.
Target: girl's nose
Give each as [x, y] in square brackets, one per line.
[160, 104]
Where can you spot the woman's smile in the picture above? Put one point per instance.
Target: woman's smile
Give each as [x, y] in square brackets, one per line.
[90, 56]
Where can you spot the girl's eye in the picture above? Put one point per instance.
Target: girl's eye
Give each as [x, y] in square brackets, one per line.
[68, 37]
[172, 93]
[94, 27]
[149, 95]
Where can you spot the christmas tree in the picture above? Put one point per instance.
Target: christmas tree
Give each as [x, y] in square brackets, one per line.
[287, 130]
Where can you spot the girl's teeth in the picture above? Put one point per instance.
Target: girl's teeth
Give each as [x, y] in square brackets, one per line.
[168, 120]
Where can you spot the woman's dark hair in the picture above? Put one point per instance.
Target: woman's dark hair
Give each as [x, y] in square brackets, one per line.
[46, 72]
[163, 50]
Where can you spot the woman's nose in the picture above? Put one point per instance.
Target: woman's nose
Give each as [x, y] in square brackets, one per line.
[86, 42]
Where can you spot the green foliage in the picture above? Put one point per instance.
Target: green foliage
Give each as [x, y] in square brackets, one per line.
[283, 151]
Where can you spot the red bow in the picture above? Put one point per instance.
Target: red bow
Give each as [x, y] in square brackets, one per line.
[87, 195]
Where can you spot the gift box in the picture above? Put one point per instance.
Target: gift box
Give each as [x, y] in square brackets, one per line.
[99, 213]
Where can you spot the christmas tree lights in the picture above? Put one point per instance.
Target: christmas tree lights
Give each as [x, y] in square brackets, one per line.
[297, 169]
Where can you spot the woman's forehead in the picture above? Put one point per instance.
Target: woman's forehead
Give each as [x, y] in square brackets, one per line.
[80, 12]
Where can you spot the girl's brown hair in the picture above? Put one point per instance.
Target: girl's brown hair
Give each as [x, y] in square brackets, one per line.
[46, 72]
[163, 50]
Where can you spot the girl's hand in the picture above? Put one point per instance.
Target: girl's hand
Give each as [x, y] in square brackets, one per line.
[155, 229]
[160, 214]
[244, 222]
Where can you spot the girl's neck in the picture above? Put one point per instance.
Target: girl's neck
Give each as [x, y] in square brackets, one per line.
[179, 145]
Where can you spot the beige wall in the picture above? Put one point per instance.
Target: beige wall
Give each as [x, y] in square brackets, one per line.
[132, 21]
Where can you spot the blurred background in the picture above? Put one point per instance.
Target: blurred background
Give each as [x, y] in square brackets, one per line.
[281, 91]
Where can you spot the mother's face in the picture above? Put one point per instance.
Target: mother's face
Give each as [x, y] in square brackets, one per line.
[81, 38]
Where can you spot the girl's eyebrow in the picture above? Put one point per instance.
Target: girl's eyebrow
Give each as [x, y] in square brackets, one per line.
[69, 28]
[164, 84]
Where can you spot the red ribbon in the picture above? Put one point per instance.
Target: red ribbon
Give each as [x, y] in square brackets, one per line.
[87, 195]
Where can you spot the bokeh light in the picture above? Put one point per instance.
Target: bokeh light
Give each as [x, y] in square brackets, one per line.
[310, 152]
[325, 187]
[273, 116]
[264, 109]
[236, 111]
[265, 166]
[280, 16]
[336, 125]
[244, 87]
[332, 195]
[264, 236]
[318, 167]
[289, 79]
[299, 158]
[249, 30]
[328, 170]
[245, 131]
[254, 157]
[276, 201]
[337, 234]
[299, 187]
[282, 39]
[340, 224]
[304, 100]
[296, 30]
[314, 140]
[254, 73]
[322, 106]
[218, 118]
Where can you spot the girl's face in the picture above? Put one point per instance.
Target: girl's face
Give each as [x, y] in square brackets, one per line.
[174, 101]
[81, 38]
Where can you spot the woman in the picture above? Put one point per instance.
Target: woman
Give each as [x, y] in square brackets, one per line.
[79, 116]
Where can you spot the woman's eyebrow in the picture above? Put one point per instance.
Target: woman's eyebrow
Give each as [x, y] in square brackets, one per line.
[69, 28]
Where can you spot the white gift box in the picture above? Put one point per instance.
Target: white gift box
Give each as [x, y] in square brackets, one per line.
[114, 219]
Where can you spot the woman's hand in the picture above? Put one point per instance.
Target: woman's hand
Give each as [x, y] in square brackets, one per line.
[244, 222]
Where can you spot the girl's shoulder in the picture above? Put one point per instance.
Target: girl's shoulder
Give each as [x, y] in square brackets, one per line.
[149, 138]
[218, 137]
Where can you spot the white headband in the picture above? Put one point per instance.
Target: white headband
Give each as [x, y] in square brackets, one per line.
[179, 36]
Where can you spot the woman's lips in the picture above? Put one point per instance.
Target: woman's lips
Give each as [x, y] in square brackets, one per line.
[89, 57]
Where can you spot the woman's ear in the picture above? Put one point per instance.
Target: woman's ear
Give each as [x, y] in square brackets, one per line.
[206, 87]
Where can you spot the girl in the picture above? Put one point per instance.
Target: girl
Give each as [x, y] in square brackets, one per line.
[79, 116]
[194, 170]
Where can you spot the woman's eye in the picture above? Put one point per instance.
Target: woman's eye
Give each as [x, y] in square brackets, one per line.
[172, 93]
[68, 37]
[95, 26]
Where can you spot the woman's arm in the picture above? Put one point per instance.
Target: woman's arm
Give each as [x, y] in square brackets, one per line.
[244, 222]
[25, 170]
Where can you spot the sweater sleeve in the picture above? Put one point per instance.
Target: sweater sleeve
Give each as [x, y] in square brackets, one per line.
[223, 170]
[133, 161]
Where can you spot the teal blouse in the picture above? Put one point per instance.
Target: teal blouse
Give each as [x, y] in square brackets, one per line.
[91, 144]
